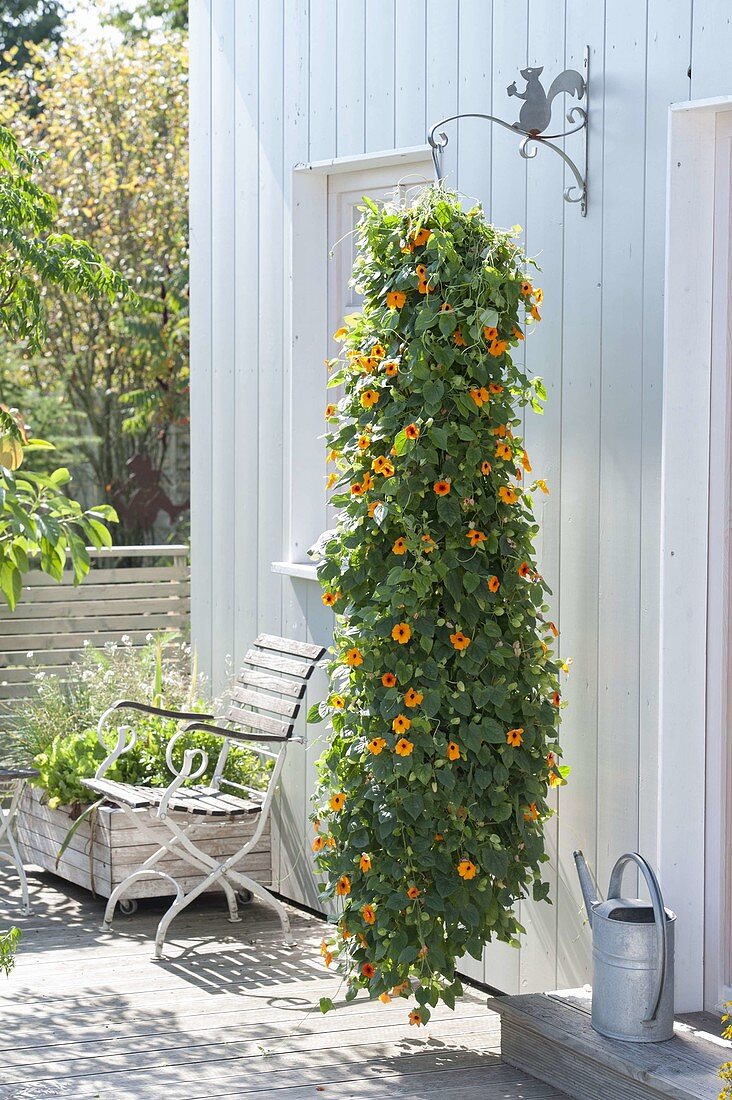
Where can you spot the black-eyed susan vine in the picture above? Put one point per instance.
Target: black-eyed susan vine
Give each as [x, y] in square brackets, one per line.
[445, 693]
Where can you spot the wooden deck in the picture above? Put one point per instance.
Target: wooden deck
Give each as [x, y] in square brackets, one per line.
[229, 1013]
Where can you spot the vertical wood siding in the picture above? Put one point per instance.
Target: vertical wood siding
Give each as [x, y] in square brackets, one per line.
[276, 82]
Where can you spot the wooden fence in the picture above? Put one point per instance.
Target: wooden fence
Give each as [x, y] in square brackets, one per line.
[51, 621]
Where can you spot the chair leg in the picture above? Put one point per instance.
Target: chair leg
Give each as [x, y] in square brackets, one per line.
[122, 886]
[264, 896]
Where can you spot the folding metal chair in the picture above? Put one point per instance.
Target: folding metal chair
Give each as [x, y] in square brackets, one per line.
[264, 705]
[12, 785]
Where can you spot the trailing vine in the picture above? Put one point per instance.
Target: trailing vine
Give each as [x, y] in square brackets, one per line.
[445, 695]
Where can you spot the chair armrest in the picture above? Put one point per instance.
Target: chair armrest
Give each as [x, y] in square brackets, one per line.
[146, 708]
[232, 735]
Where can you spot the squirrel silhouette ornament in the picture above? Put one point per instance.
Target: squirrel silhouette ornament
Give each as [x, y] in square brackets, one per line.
[536, 112]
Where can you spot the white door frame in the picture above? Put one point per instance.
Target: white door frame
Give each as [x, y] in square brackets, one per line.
[694, 659]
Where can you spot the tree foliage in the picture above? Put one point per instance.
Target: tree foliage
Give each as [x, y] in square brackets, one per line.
[27, 22]
[148, 17]
[444, 690]
[115, 121]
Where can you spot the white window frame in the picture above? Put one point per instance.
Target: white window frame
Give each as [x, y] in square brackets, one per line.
[310, 339]
[694, 786]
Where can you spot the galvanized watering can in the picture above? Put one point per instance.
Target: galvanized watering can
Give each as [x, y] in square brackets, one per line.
[632, 957]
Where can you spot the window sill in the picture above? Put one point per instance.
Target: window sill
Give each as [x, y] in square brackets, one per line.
[302, 570]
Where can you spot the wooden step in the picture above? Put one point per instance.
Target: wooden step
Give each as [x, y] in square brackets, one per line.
[550, 1036]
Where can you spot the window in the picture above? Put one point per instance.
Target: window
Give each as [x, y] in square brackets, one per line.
[325, 213]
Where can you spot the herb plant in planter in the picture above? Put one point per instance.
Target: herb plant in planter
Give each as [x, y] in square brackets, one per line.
[445, 693]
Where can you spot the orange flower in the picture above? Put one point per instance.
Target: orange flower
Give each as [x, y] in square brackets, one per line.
[318, 844]
[364, 863]
[541, 484]
[368, 970]
[411, 431]
[330, 841]
[442, 488]
[517, 333]
[556, 699]
[476, 537]
[507, 494]
[503, 451]
[353, 658]
[373, 506]
[368, 914]
[551, 760]
[515, 737]
[327, 958]
[385, 998]
[401, 723]
[398, 990]
[481, 396]
[525, 462]
[338, 702]
[337, 801]
[555, 780]
[413, 892]
[524, 570]
[391, 367]
[531, 813]
[421, 272]
[408, 247]
[340, 333]
[329, 598]
[497, 348]
[501, 431]
[376, 745]
[553, 629]
[429, 544]
[379, 463]
[526, 288]
[490, 332]
[423, 951]
[343, 886]
[439, 837]
[367, 482]
[332, 478]
[493, 584]
[485, 468]
[413, 698]
[400, 546]
[401, 633]
[421, 237]
[458, 339]
[445, 308]
[369, 398]
[395, 299]
[459, 640]
[388, 469]
[538, 295]
[453, 751]
[388, 680]
[357, 489]
[363, 442]
[378, 351]
[403, 747]
[330, 411]
[466, 869]
[415, 1018]
[535, 313]
[495, 388]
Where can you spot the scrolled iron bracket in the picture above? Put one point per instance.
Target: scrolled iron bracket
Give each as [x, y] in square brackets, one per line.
[534, 119]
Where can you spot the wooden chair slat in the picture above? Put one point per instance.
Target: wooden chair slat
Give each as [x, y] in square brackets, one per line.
[287, 645]
[250, 677]
[263, 658]
[259, 722]
[266, 702]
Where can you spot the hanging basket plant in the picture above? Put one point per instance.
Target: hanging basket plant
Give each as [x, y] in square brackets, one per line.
[444, 696]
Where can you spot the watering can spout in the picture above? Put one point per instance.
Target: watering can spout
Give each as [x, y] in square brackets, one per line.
[588, 888]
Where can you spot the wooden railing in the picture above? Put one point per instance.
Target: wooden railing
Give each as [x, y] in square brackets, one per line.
[52, 621]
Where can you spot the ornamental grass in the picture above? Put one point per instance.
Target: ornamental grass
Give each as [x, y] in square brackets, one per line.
[446, 700]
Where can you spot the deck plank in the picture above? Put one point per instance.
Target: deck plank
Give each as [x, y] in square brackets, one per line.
[229, 1012]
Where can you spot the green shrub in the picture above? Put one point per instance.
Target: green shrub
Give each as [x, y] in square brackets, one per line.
[58, 727]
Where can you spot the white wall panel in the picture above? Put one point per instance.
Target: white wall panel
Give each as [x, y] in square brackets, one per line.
[284, 81]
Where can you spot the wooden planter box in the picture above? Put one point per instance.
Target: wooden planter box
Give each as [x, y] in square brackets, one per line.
[106, 847]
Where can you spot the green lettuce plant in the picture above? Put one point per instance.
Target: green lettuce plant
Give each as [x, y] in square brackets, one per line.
[445, 695]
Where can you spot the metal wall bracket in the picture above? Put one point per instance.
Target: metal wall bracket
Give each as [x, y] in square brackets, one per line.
[534, 118]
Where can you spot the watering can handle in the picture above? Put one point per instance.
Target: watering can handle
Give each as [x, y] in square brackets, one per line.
[659, 913]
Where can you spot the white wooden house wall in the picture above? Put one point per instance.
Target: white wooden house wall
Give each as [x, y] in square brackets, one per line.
[275, 83]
